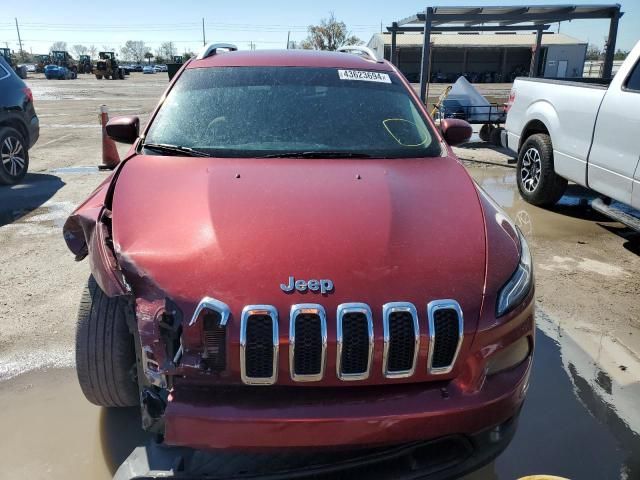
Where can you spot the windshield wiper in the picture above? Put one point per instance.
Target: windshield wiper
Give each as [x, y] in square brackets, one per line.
[317, 154]
[167, 148]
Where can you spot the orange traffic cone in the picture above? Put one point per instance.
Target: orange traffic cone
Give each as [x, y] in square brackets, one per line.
[110, 157]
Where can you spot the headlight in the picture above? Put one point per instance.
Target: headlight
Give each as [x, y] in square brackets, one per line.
[520, 282]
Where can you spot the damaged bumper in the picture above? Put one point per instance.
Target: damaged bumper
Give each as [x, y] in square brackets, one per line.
[245, 418]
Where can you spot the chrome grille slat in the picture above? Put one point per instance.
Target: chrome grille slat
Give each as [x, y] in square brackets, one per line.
[397, 339]
[445, 335]
[258, 355]
[307, 363]
[351, 352]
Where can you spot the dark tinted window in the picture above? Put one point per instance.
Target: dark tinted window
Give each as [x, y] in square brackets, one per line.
[257, 111]
[633, 82]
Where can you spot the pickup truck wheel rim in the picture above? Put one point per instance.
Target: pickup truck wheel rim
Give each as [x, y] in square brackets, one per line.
[531, 169]
[12, 155]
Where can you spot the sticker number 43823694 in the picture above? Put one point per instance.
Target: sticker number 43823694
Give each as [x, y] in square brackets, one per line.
[364, 76]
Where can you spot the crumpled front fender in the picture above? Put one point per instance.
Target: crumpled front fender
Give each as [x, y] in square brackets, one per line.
[87, 232]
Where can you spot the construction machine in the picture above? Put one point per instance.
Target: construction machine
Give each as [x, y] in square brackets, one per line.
[11, 60]
[107, 67]
[42, 61]
[84, 64]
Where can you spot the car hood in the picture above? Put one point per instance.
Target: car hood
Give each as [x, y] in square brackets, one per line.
[235, 229]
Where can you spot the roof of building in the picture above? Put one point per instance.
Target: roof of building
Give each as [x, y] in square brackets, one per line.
[512, 14]
[479, 40]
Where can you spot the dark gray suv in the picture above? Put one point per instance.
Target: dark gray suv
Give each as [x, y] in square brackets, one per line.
[19, 125]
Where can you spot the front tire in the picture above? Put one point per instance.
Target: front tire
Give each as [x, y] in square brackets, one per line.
[538, 182]
[105, 349]
[14, 157]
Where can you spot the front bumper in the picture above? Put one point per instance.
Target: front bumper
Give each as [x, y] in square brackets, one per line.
[440, 459]
[254, 418]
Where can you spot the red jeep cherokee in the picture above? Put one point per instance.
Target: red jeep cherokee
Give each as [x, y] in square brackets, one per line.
[291, 256]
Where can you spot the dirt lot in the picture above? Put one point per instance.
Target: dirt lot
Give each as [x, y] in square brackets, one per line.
[586, 380]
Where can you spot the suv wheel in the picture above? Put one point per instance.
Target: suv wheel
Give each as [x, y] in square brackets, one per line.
[14, 157]
[537, 180]
[105, 349]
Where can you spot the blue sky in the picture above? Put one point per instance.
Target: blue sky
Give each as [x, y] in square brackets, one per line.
[265, 23]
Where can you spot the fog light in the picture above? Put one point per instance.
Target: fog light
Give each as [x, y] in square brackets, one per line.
[509, 357]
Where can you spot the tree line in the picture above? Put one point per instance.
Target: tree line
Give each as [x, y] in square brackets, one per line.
[329, 34]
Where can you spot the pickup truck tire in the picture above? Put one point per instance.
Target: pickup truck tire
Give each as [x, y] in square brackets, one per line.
[537, 180]
[14, 157]
[485, 132]
[105, 349]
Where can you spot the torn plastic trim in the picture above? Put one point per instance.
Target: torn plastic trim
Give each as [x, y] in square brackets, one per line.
[152, 369]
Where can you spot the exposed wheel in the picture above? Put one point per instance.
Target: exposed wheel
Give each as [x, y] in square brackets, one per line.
[14, 157]
[537, 180]
[105, 350]
[98, 77]
[485, 132]
[494, 136]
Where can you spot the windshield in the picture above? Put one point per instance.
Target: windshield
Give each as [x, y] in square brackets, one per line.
[271, 111]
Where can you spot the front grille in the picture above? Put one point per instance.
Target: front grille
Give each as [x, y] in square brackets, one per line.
[259, 344]
[402, 342]
[307, 357]
[445, 326]
[214, 339]
[307, 342]
[445, 322]
[354, 355]
[259, 350]
[401, 339]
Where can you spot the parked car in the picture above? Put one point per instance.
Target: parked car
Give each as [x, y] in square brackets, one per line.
[19, 125]
[580, 131]
[31, 68]
[58, 72]
[148, 69]
[324, 274]
[136, 68]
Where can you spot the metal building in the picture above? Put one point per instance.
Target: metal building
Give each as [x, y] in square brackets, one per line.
[484, 56]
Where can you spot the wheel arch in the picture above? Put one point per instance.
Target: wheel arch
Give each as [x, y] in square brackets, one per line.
[542, 118]
[15, 123]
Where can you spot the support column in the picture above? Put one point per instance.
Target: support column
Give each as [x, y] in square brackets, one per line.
[504, 64]
[533, 69]
[611, 46]
[426, 47]
[394, 44]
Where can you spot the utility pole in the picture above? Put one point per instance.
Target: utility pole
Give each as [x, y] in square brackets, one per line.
[204, 40]
[288, 35]
[19, 39]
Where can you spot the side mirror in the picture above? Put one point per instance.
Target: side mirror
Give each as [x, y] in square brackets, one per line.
[454, 131]
[124, 129]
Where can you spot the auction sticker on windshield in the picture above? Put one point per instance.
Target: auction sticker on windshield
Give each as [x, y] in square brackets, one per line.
[364, 76]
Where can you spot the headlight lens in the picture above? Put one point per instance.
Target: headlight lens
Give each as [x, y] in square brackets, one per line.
[520, 282]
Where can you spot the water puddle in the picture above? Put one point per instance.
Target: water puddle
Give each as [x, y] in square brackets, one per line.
[80, 169]
[580, 420]
[571, 217]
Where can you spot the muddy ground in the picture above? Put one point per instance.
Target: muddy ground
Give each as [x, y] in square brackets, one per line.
[581, 418]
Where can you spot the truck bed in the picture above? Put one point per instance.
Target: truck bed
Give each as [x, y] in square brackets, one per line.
[584, 82]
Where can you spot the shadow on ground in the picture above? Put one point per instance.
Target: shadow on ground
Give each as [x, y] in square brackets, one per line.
[18, 200]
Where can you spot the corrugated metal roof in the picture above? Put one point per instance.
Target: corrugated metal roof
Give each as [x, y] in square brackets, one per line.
[513, 14]
[480, 40]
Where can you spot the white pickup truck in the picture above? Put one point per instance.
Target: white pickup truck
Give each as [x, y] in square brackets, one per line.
[588, 133]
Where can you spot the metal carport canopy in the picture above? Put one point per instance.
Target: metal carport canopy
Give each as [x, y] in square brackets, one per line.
[500, 17]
